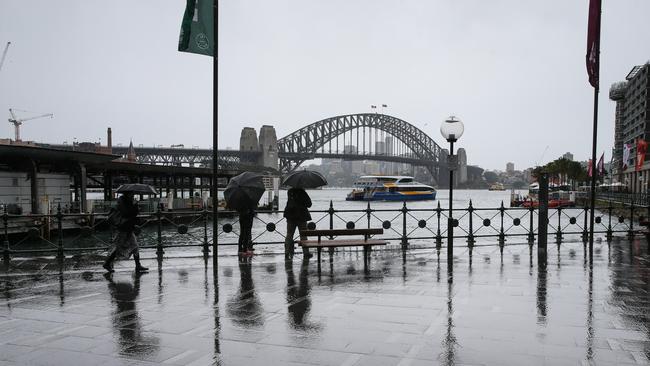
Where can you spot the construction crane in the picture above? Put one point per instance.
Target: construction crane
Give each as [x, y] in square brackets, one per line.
[19, 121]
[4, 55]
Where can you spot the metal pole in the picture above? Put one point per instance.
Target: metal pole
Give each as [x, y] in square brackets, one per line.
[593, 152]
[215, 140]
[59, 221]
[450, 221]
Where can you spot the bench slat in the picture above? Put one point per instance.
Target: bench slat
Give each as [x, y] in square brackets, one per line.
[340, 243]
[341, 232]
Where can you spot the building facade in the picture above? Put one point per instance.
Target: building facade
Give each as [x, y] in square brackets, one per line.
[632, 123]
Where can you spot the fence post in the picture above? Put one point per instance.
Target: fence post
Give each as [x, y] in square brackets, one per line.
[470, 237]
[609, 224]
[531, 233]
[59, 223]
[5, 220]
[438, 235]
[630, 233]
[206, 248]
[502, 236]
[405, 242]
[368, 211]
[585, 230]
[330, 211]
[159, 246]
[542, 218]
[558, 232]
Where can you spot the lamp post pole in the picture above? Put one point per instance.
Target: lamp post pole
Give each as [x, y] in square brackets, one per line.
[451, 129]
[450, 221]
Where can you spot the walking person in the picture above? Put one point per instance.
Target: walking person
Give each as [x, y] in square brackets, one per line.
[297, 214]
[126, 244]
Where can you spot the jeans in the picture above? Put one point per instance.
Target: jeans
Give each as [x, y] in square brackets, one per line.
[291, 230]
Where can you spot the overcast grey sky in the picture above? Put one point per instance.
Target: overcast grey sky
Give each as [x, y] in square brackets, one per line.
[513, 71]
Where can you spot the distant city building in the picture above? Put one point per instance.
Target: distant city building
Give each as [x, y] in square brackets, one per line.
[568, 156]
[510, 168]
[631, 123]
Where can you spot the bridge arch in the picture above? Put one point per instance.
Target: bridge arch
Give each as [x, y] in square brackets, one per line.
[305, 143]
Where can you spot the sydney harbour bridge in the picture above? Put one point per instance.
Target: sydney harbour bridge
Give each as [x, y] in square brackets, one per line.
[365, 136]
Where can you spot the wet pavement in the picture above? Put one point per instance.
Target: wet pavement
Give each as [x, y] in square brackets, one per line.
[402, 310]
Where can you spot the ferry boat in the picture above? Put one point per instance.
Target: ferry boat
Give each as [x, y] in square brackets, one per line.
[497, 187]
[390, 188]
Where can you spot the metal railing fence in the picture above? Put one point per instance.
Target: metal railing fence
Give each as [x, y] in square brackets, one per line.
[62, 234]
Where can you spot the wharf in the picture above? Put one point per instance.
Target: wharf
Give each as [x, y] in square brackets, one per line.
[406, 310]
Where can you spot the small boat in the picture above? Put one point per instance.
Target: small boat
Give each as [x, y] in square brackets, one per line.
[390, 188]
[497, 187]
[555, 199]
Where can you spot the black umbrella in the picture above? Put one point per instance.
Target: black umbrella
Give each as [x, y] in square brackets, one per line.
[136, 188]
[244, 191]
[305, 179]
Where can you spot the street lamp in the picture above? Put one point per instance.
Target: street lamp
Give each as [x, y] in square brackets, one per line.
[452, 129]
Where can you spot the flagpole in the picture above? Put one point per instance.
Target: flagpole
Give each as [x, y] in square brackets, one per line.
[594, 142]
[215, 141]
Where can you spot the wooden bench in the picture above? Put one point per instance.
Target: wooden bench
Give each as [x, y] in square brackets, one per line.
[325, 240]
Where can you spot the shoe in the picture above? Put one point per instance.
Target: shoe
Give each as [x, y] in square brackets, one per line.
[308, 255]
[108, 267]
[141, 269]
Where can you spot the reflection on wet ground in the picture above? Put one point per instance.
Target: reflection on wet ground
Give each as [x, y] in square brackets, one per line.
[403, 310]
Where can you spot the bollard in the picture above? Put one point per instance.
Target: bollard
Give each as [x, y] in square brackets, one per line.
[59, 220]
[206, 247]
[542, 225]
[405, 242]
[531, 232]
[438, 235]
[5, 220]
[502, 235]
[470, 237]
[159, 246]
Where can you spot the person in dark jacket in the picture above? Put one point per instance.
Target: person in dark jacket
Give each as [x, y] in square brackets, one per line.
[126, 243]
[246, 216]
[297, 214]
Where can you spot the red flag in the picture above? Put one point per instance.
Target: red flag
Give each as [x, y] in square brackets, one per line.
[590, 168]
[593, 42]
[641, 148]
[601, 165]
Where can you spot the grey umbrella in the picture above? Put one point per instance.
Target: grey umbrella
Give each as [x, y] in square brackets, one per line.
[305, 179]
[136, 188]
[244, 191]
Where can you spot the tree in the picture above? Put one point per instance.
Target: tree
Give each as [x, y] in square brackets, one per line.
[490, 177]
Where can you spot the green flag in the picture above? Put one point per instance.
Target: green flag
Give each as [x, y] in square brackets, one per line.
[197, 29]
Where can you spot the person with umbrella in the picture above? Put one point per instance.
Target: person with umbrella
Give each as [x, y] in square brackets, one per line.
[125, 218]
[242, 194]
[297, 209]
